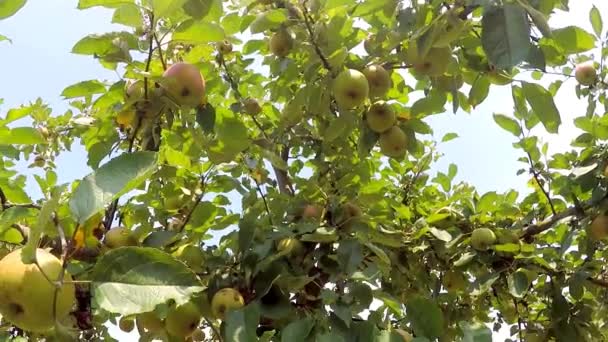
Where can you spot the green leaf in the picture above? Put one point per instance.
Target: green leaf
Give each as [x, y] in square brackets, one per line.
[129, 15]
[85, 88]
[573, 39]
[518, 283]
[120, 175]
[505, 35]
[440, 234]
[426, 317]
[329, 337]
[539, 19]
[20, 136]
[10, 7]
[479, 91]
[543, 106]
[16, 114]
[268, 20]
[449, 136]
[596, 21]
[350, 255]
[196, 32]
[130, 280]
[162, 8]
[241, 324]
[3, 38]
[197, 9]
[298, 330]
[475, 332]
[82, 4]
[508, 124]
[205, 116]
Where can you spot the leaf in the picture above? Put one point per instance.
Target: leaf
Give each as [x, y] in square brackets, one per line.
[268, 20]
[596, 21]
[573, 39]
[205, 116]
[10, 7]
[162, 8]
[129, 15]
[298, 330]
[449, 136]
[85, 88]
[349, 255]
[20, 136]
[197, 9]
[505, 35]
[195, 32]
[440, 234]
[508, 124]
[518, 283]
[543, 106]
[330, 337]
[475, 332]
[479, 91]
[130, 280]
[82, 4]
[3, 38]
[120, 175]
[539, 19]
[426, 317]
[241, 324]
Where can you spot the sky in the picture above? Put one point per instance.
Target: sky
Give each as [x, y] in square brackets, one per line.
[38, 63]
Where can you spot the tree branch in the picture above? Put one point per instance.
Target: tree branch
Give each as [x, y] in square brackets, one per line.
[198, 200]
[311, 34]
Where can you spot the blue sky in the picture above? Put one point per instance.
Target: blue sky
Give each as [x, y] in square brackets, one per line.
[39, 64]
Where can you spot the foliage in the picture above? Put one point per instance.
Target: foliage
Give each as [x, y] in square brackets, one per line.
[376, 244]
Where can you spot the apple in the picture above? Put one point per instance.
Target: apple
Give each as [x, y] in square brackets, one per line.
[380, 117]
[585, 73]
[251, 106]
[44, 132]
[290, 246]
[407, 337]
[310, 212]
[435, 63]
[599, 227]
[184, 84]
[448, 83]
[126, 324]
[183, 320]
[125, 117]
[26, 296]
[224, 47]
[150, 322]
[198, 335]
[379, 80]
[393, 142]
[350, 88]
[135, 90]
[281, 43]
[482, 239]
[191, 255]
[349, 214]
[119, 237]
[454, 281]
[39, 161]
[225, 300]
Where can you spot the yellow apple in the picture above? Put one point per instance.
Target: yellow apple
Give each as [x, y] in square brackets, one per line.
[125, 117]
[380, 117]
[183, 320]
[585, 73]
[191, 255]
[126, 324]
[251, 106]
[434, 63]
[184, 84]
[26, 296]
[224, 47]
[482, 239]
[119, 237]
[350, 88]
[393, 142]
[225, 300]
[281, 43]
[379, 80]
[599, 227]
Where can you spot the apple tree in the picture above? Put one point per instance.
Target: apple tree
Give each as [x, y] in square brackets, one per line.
[261, 170]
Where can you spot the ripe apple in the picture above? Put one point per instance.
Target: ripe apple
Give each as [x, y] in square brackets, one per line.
[150, 322]
[393, 142]
[585, 73]
[224, 47]
[251, 106]
[379, 80]
[281, 43]
[183, 320]
[290, 246]
[197, 336]
[225, 300]
[26, 296]
[192, 256]
[184, 84]
[407, 337]
[482, 239]
[599, 228]
[380, 117]
[119, 237]
[126, 324]
[311, 212]
[350, 88]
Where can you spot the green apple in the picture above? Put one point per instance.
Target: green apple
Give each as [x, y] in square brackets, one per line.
[379, 80]
[183, 320]
[119, 237]
[380, 117]
[224, 47]
[150, 322]
[225, 300]
[26, 296]
[191, 255]
[281, 43]
[393, 142]
[126, 324]
[454, 281]
[434, 63]
[251, 106]
[447, 82]
[482, 239]
[585, 73]
[350, 88]
[290, 246]
[311, 212]
[349, 214]
[184, 84]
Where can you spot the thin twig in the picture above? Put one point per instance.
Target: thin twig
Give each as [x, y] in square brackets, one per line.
[3, 200]
[198, 200]
[307, 20]
[215, 331]
[160, 51]
[540, 184]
